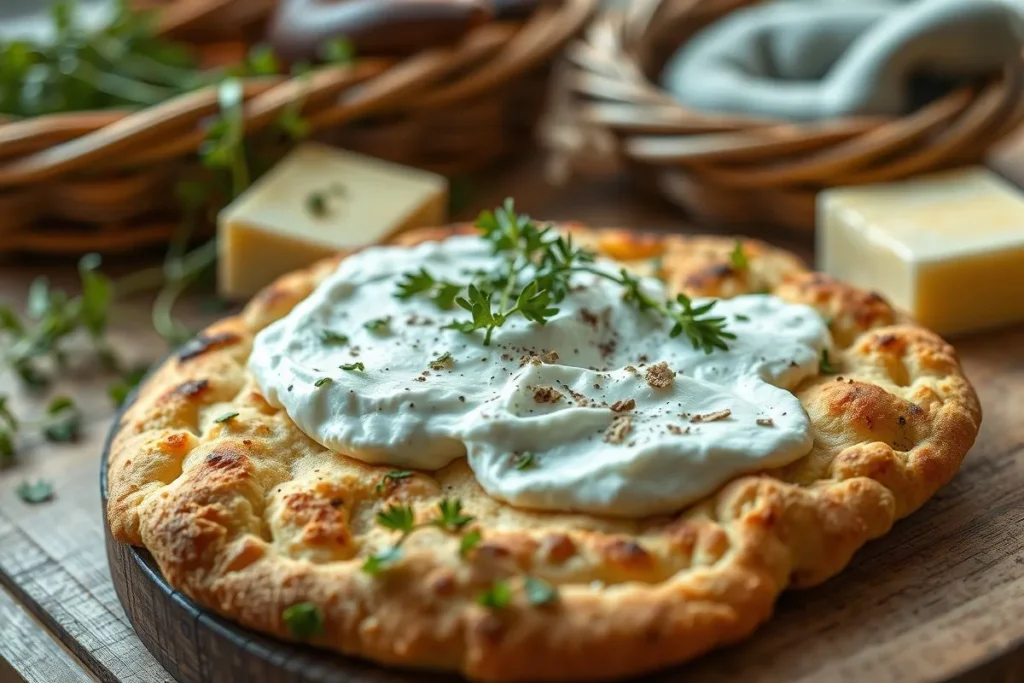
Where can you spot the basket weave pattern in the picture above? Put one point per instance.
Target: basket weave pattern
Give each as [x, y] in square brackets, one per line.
[103, 180]
[736, 169]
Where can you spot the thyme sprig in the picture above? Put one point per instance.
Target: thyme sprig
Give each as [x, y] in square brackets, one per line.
[536, 275]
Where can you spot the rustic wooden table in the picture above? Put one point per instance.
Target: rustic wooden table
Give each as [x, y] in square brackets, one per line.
[940, 598]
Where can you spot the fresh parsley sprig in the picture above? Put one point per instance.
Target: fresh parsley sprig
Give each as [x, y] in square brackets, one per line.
[704, 331]
[402, 518]
[536, 275]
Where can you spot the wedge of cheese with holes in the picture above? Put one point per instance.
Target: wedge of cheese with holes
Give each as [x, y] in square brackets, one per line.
[948, 248]
[316, 201]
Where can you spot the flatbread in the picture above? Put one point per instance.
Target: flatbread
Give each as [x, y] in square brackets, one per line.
[248, 516]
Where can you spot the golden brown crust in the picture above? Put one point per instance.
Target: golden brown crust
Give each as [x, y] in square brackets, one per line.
[249, 516]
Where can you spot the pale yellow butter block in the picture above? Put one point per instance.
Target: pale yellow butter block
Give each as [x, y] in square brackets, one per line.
[948, 248]
[316, 201]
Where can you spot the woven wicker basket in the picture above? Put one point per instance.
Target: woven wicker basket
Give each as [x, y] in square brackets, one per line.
[741, 170]
[103, 180]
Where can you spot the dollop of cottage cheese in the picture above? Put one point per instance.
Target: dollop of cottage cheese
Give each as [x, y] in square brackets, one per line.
[597, 411]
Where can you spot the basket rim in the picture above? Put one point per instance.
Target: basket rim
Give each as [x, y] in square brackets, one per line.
[606, 89]
[487, 58]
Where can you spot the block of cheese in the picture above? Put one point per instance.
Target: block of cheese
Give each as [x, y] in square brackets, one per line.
[316, 201]
[948, 248]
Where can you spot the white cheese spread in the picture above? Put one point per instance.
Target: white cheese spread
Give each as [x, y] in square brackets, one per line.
[597, 411]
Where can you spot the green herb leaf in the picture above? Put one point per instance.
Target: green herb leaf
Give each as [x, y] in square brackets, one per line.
[442, 362]
[39, 491]
[38, 298]
[469, 540]
[226, 417]
[316, 204]
[397, 518]
[393, 475]
[738, 257]
[304, 620]
[451, 518]
[379, 562]
[6, 416]
[292, 123]
[64, 421]
[742, 318]
[444, 295]
[705, 332]
[262, 61]
[378, 325]
[119, 390]
[539, 592]
[9, 321]
[332, 337]
[497, 597]
[337, 51]
[97, 293]
[524, 461]
[322, 381]
[414, 283]
[825, 366]
[356, 367]
[7, 450]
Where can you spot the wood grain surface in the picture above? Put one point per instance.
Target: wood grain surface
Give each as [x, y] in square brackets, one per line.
[941, 598]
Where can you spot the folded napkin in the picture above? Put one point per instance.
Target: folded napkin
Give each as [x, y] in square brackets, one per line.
[816, 59]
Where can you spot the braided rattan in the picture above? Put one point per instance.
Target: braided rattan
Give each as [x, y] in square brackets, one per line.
[103, 180]
[735, 169]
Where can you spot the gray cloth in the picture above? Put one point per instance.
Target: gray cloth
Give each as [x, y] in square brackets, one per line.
[816, 59]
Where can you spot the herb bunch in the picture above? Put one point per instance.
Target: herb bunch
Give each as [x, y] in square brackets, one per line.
[536, 275]
[124, 64]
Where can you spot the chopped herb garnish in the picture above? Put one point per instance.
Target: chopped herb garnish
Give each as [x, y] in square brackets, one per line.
[451, 518]
[498, 596]
[63, 420]
[316, 204]
[322, 381]
[825, 366]
[119, 390]
[332, 337]
[338, 51]
[226, 417]
[442, 362]
[738, 257]
[402, 518]
[742, 318]
[356, 367]
[378, 325]
[539, 592]
[397, 518]
[39, 491]
[536, 275]
[378, 562]
[304, 620]
[8, 428]
[7, 449]
[469, 541]
[393, 475]
[524, 461]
